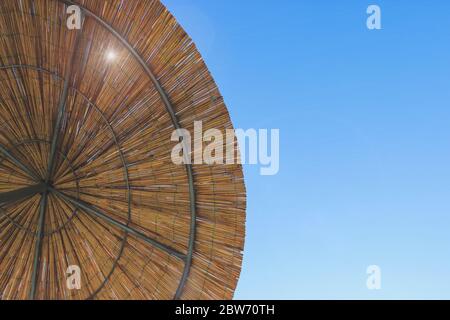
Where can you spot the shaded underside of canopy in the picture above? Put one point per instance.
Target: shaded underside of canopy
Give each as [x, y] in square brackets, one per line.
[137, 225]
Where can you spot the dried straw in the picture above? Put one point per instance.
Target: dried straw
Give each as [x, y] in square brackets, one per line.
[115, 129]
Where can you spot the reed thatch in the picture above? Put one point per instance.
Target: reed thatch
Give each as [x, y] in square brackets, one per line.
[112, 153]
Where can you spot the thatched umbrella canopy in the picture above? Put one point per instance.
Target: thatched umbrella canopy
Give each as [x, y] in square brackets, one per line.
[86, 175]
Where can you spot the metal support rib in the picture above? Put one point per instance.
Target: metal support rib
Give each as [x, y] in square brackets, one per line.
[51, 163]
[38, 246]
[56, 129]
[96, 212]
[61, 110]
[43, 205]
[14, 160]
[23, 193]
[176, 124]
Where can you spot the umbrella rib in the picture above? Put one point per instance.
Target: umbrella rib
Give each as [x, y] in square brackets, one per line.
[57, 127]
[38, 246]
[19, 194]
[14, 160]
[96, 212]
[51, 163]
[62, 109]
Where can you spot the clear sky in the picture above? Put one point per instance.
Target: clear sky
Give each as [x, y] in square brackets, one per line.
[365, 141]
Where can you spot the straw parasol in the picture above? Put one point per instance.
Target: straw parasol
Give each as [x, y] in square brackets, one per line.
[91, 204]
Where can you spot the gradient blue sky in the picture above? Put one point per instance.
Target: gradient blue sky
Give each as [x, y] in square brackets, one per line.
[365, 141]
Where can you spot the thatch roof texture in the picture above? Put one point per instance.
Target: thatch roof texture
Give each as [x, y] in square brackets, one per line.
[114, 204]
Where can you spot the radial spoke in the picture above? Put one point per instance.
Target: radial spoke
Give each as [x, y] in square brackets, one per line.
[61, 109]
[57, 127]
[14, 160]
[51, 164]
[38, 246]
[23, 193]
[96, 212]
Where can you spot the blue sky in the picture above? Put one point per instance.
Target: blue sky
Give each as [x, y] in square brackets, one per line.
[365, 141]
